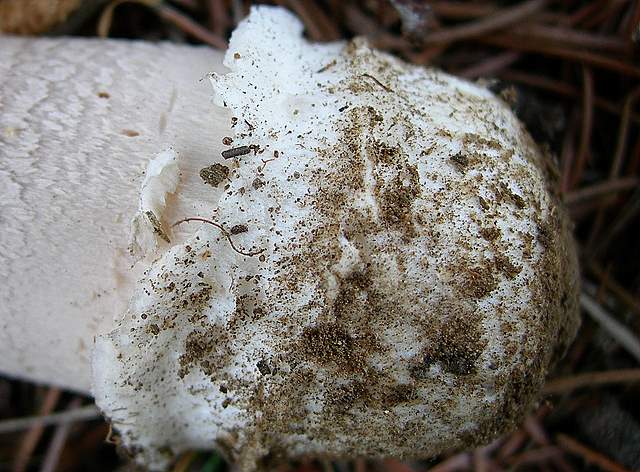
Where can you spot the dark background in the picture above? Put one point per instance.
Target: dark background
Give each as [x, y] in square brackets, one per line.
[570, 71]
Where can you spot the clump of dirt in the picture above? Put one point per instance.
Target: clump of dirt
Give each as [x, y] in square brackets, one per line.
[215, 174]
[457, 345]
[207, 350]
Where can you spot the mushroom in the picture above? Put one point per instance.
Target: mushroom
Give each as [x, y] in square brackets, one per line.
[79, 121]
[384, 268]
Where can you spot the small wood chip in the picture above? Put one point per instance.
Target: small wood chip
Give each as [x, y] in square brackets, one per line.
[157, 226]
[235, 152]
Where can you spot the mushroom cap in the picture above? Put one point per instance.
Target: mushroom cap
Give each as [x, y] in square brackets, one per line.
[388, 271]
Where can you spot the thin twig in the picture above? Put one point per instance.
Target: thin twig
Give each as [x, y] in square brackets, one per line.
[319, 26]
[85, 413]
[377, 81]
[32, 437]
[52, 457]
[615, 288]
[568, 153]
[218, 17]
[604, 14]
[490, 65]
[580, 15]
[623, 218]
[182, 21]
[590, 456]
[514, 443]
[614, 171]
[591, 379]
[312, 27]
[623, 132]
[534, 427]
[520, 42]
[536, 432]
[617, 330]
[574, 38]
[360, 466]
[460, 461]
[222, 230]
[462, 10]
[393, 465]
[481, 462]
[559, 88]
[585, 129]
[184, 462]
[502, 19]
[633, 21]
[190, 27]
[600, 189]
[361, 24]
[535, 456]
[106, 17]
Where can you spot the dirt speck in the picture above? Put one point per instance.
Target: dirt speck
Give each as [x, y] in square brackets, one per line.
[490, 233]
[457, 346]
[153, 329]
[459, 161]
[331, 344]
[263, 367]
[475, 281]
[207, 350]
[504, 265]
[396, 200]
[214, 174]
[238, 229]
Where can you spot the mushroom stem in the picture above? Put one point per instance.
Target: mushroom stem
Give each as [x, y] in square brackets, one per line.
[79, 121]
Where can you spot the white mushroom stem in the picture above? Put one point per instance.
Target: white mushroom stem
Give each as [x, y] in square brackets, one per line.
[79, 121]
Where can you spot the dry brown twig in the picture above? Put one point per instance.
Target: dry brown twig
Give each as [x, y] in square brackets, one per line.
[166, 12]
[625, 337]
[497, 21]
[85, 413]
[604, 188]
[585, 130]
[222, 229]
[591, 379]
[581, 46]
[615, 288]
[588, 455]
[36, 429]
[54, 450]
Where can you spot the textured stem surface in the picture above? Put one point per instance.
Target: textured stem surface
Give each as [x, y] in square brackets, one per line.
[79, 120]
